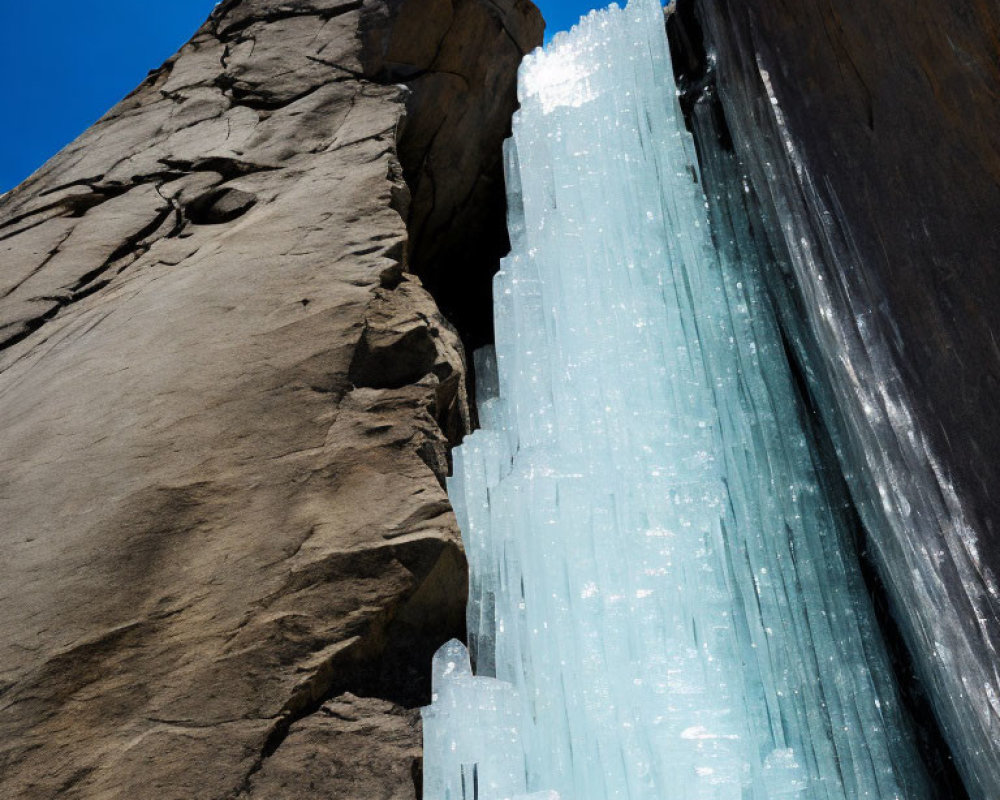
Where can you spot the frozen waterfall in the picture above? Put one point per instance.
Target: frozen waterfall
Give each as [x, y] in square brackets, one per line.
[665, 601]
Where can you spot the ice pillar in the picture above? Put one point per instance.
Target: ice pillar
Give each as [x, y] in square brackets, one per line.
[665, 602]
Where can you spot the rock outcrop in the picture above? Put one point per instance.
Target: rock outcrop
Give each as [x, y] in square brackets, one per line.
[867, 133]
[226, 402]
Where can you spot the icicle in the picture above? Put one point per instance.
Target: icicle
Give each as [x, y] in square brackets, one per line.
[661, 584]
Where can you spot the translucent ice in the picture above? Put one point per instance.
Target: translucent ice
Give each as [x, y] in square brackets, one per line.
[473, 728]
[662, 582]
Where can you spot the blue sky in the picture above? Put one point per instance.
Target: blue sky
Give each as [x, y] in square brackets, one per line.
[63, 63]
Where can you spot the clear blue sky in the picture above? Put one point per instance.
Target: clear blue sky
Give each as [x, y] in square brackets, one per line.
[63, 63]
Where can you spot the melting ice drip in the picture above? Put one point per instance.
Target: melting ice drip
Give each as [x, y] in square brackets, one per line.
[664, 598]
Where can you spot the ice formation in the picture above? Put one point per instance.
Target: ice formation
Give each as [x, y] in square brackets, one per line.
[664, 598]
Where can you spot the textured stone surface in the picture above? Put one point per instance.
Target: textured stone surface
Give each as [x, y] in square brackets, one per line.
[449, 150]
[868, 133]
[225, 408]
[352, 748]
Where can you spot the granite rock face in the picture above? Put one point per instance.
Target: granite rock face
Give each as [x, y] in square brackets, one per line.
[226, 402]
[867, 132]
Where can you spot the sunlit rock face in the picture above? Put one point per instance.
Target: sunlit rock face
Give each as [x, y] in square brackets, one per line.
[664, 600]
[226, 402]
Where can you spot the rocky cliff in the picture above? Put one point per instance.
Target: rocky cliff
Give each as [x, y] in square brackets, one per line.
[229, 376]
[226, 401]
[866, 136]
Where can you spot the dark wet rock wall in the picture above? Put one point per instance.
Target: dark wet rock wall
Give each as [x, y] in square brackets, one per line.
[866, 136]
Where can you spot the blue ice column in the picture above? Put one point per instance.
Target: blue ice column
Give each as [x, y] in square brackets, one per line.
[473, 728]
[661, 576]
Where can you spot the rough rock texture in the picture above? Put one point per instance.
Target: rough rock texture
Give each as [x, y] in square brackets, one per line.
[352, 748]
[453, 57]
[225, 407]
[868, 134]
